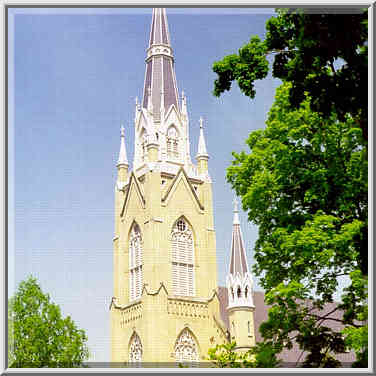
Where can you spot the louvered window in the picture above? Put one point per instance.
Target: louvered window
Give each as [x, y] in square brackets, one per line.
[172, 143]
[135, 263]
[182, 260]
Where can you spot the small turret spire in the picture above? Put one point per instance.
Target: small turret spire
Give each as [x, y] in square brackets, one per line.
[202, 152]
[238, 263]
[239, 283]
[122, 161]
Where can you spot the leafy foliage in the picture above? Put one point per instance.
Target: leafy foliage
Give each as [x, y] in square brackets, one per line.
[226, 356]
[324, 54]
[304, 184]
[40, 336]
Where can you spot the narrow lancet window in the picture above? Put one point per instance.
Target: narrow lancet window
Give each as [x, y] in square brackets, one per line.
[182, 259]
[135, 263]
[172, 143]
[135, 349]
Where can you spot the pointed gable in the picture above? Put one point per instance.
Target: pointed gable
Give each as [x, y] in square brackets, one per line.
[182, 178]
[172, 116]
[133, 188]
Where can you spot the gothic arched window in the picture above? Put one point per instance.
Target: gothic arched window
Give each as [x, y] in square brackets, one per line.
[172, 143]
[186, 348]
[239, 292]
[182, 259]
[135, 349]
[135, 263]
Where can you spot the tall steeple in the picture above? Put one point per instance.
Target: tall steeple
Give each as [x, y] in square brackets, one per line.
[160, 73]
[165, 268]
[160, 119]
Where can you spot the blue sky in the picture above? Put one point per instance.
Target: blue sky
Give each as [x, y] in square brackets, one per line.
[74, 75]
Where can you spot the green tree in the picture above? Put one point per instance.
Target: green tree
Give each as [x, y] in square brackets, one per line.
[263, 355]
[324, 54]
[304, 184]
[40, 336]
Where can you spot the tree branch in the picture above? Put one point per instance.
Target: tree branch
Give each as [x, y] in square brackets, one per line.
[323, 318]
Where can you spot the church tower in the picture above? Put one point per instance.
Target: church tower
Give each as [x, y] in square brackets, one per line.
[165, 306]
[239, 287]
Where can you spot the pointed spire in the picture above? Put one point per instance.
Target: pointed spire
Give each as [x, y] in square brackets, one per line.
[202, 152]
[159, 28]
[238, 262]
[160, 72]
[122, 161]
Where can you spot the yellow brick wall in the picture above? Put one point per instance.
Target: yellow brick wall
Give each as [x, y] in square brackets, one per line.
[158, 317]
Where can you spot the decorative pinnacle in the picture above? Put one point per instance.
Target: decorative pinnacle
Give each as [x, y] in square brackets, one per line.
[122, 161]
[202, 152]
[236, 212]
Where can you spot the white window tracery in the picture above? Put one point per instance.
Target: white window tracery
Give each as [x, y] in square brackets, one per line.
[186, 348]
[135, 263]
[172, 143]
[182, 259]
[135, 349]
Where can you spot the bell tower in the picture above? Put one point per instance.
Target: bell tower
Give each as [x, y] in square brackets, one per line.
[165, 306]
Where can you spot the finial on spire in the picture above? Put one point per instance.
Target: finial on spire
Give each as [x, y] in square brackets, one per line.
[122, 161]
[160, 71]
[202, 152]
[236, 212]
